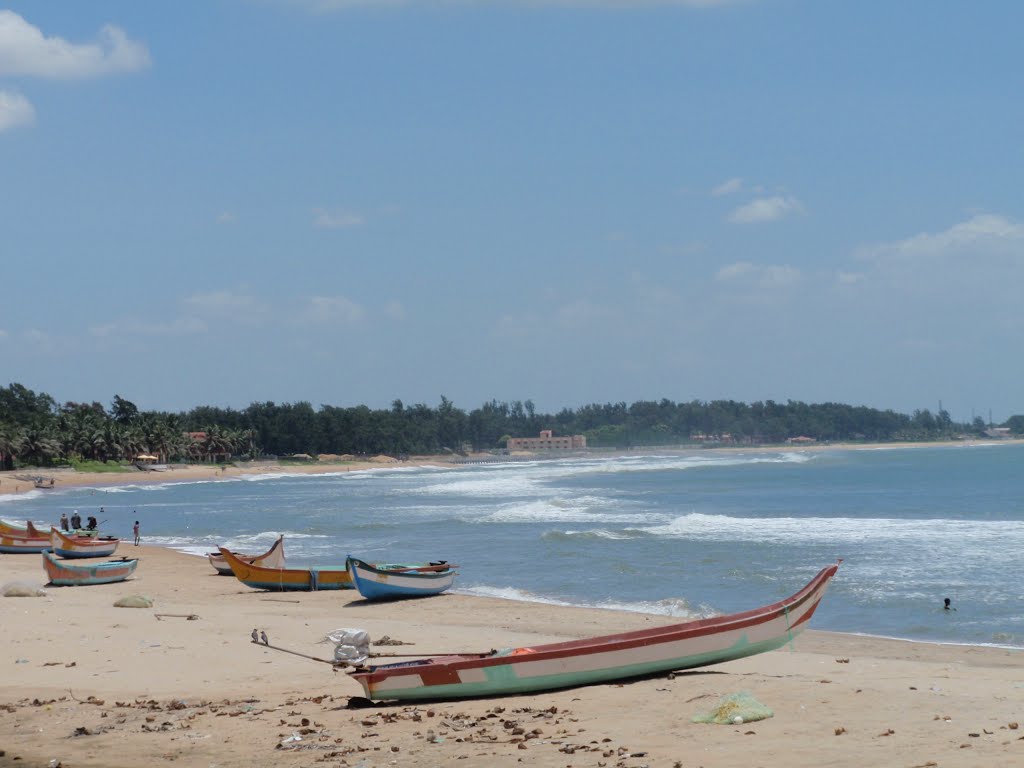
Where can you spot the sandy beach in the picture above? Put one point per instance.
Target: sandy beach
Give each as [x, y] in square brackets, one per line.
[90, 684]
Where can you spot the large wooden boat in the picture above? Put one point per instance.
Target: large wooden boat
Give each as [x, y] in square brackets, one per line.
[598, 659]
[390, 583]
[15, 544]
[308, 579]
[64, 574]
[272, 558]
[82, 546]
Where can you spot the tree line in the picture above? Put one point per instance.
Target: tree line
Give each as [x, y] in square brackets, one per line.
[36, 430]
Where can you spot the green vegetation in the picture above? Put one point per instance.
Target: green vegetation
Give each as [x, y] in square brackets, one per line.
[35, 430]
[99, 466]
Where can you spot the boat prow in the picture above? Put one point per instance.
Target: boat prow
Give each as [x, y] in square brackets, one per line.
[272, 558]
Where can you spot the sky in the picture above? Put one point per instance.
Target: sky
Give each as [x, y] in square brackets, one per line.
[352, 202]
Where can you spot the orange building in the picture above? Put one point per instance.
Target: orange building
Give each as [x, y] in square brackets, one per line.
[547, 442]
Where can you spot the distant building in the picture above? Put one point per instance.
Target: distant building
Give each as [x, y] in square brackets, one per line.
[801, 440]
[547, 442]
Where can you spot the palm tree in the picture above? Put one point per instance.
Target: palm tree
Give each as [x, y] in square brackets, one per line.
[11, 442]
[39, 447]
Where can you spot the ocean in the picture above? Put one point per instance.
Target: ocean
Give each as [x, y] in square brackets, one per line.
[682, 534]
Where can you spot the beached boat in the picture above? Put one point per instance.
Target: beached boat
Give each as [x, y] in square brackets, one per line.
[598, 659]
[6, 526]
[288, 579]
[16, 544]
[82, 546]
[376, 583]
[29, 529]
[63, 574]
[272, 558]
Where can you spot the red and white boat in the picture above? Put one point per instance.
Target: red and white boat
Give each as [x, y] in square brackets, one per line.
[82, 546]
[593, 660]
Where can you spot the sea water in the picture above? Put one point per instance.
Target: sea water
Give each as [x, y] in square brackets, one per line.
[683, 534]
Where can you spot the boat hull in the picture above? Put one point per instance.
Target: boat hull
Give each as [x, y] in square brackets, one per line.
[63, 574]
[288, 579]
[80, 547]
[13, 544]
[602, 659]
[375, 583]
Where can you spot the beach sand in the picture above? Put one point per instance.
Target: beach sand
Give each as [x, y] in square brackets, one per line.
[89, 684]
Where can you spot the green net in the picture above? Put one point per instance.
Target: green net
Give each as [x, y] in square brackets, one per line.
[134, 601]
[735, 708]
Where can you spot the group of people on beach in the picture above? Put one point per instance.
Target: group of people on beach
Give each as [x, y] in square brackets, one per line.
[75, 524]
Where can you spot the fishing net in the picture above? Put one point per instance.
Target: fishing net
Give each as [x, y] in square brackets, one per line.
[21, 589]
[134, 601]
[735, 708]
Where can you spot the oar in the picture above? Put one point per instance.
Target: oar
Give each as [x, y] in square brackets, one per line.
[293, 653]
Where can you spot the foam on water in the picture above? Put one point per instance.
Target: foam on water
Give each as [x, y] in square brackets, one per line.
[668, 533]
[674, 607]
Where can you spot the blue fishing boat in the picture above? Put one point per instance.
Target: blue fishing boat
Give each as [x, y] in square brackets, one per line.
[63, 574]
[392, 582]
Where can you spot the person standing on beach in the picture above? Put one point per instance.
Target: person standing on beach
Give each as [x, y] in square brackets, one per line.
[135, 531]
[63, 521]
[76, 520]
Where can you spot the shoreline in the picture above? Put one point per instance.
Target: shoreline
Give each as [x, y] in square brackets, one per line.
[12, 484]
[91, 685]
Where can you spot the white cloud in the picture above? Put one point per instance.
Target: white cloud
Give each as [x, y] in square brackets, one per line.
[24, 50]
[182, 326]
[766, 209]
[764, 276]
[582, 314]
[983, 233]
[336, 310]
[727, 187]
[226, 217]
[3, 334]
[394, 310]
[337, 219]
[15, 109]
[223, 307]
[849, 278]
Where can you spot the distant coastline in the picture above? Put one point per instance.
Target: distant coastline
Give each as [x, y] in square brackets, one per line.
[22, 480]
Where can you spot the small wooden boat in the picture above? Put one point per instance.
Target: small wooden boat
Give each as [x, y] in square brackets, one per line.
[272, 558]
[6, 526]
[288, 579]
[598, 659]
[391, 583]
[63, 574]
[29, 529]
[15, 544]
[82, 546]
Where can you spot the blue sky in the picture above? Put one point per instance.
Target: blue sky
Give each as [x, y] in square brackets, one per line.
[570, 202]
